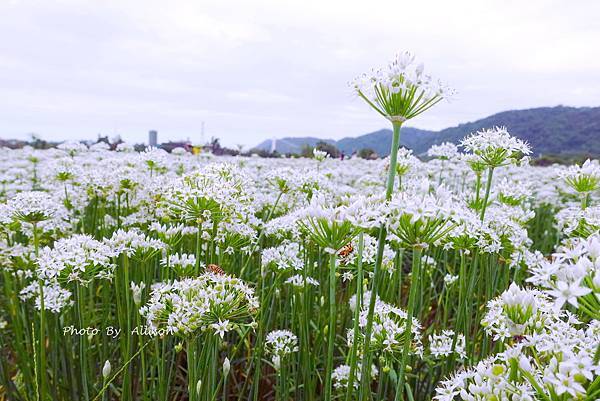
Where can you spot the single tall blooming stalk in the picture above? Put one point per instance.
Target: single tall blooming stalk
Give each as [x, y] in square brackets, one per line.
[201, 311]
[280, 344]
[33, 208]
[400, 91]
[494, 148]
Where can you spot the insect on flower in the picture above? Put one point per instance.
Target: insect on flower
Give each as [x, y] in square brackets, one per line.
[216, 269]
[345, 251]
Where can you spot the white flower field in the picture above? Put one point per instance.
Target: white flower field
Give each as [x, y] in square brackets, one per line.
[171, 276]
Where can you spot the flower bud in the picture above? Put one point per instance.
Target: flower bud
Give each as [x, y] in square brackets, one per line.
[226, 366]
[106, 369]
[137, 292]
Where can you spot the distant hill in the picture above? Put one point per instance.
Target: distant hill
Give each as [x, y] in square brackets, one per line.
[549, 130]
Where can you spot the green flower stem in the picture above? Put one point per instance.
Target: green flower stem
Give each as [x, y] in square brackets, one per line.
[330, 327]
[127, 377]
[213, 354]
[41, 357]
[281, 385]
[366, 360]
[462, 309]
[355, 328]
[414, 286]
[224, 394]
[585, 200]
[393, 160]
[264, 318]
[42, 344]
[488, 187]
[20, 326]
[259, 340]
[104, 395]
[191, 373]
[477, 187]
[83, 361]
[307, 355]
[198, 246]
[462, 293]
[398, 268]
[143, 362]
[473, 275]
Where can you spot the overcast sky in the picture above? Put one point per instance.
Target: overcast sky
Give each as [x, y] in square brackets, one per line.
[253, 70]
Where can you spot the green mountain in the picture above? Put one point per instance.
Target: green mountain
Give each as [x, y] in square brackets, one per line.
[549, 130]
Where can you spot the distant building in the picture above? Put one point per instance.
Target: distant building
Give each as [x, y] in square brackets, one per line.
[152, 138]
[169, 146]
[273, 145]
[12, 143]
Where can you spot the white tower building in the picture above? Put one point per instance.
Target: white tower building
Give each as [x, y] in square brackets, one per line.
[152, 138]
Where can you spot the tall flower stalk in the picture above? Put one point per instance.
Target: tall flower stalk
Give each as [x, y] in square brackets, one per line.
[33, 208]
[493, 148]
[414, 287]
[366, 359]
[331, 326]
[206, 307]
[280, 344]
[399, 92]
